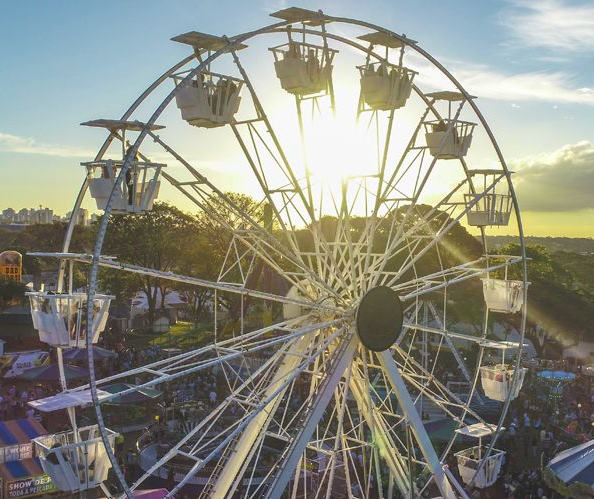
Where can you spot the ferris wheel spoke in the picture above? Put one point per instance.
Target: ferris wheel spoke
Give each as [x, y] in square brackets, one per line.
[479, 340]
[187, 363]
[209, 422]
[420, 184]
[112, 263]
[425, 383]
[388, 195]
[416, 425]
[437, 317]
[337, 449]
[256, 399]
[436, 281]
[393, 458]
[216, 196]
[209, 199]
[206, 196]
[322, 249]
[278, 155]
[427, 231]
[342, 354]
[422, 229]
[238, 444]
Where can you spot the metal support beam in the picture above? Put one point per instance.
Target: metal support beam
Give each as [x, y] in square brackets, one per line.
[416, 425]
[344, 355]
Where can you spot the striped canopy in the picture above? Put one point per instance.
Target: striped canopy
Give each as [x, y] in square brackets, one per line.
[573, 470]
[13, 470]
[19, 431]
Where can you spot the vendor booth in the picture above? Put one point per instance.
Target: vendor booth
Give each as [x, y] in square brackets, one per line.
[21, 474]
[571, 472]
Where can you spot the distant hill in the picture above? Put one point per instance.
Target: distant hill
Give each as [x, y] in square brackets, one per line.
[583, 245]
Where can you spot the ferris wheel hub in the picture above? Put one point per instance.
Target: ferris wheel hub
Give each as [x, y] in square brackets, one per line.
[379, 318]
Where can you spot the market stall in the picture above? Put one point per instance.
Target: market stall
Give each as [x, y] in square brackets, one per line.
[21, 474]
[571, 472]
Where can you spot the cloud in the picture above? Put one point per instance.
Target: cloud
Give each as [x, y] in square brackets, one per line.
[559, 181]
[540, 86]
[28, 145]
[487, 82]
[552, 24]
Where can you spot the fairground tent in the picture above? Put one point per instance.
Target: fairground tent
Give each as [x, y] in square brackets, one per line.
[20, 473]
[571, 472]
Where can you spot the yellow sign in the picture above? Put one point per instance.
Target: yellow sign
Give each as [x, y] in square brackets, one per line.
[29, 487]
[11, 265]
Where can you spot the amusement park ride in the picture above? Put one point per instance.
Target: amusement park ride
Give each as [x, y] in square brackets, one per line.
[326, 400]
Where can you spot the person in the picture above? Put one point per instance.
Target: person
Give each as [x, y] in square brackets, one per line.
[439, 127]
[313, 67]
[292, 52]
[171, 478]
[224, 90]
[52, 457]
[369, 70]
[130, 176]
[83, 321]
[104, 171]
[129, 187]
[73, 324]
[45, 306]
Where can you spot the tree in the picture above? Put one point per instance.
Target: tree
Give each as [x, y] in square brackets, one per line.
[159, 239]
[11, 291]
[215, 238]
[44, 238]
[555, 303]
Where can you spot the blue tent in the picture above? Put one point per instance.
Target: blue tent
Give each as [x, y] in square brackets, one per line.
[571, 472]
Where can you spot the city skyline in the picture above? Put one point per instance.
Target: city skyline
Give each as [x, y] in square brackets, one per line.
[42, 215]
[536, 90]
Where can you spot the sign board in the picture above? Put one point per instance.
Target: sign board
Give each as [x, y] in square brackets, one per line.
[15, 363]
[11, 265]
[28, 487]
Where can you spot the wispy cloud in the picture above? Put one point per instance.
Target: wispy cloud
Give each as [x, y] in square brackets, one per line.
[559, 181]
[28, 145]
[485, 81]
[552, 24]
[534, 86]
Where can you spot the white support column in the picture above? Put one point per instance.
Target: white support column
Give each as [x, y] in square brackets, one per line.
[242, 450]
[382, 436]
[414, 420]
[344, 356]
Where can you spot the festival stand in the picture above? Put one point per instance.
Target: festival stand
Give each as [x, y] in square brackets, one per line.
[21, 474]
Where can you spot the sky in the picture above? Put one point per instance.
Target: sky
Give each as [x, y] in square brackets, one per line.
[529, 62]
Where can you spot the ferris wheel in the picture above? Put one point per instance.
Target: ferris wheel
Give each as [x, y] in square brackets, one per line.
[360, 145]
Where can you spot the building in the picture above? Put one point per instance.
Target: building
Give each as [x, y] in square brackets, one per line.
[23, 215]
[28, 216]
[82, 217]
[44, 216]
[9, 215]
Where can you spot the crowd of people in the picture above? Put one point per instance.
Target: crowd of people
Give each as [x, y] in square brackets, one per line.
[546, 418]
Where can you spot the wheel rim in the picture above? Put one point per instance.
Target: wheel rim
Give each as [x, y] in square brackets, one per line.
[326, 275]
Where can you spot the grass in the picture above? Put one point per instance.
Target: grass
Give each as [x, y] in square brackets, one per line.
[181, 334]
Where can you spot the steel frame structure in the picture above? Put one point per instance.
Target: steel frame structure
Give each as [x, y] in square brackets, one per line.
[357, 411]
